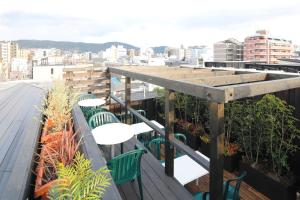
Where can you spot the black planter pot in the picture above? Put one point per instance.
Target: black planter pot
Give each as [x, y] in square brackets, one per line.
[231, 163]
[266, 185]
[205, 148]
[193, 141]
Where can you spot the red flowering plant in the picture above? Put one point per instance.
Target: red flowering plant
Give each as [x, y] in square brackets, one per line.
[231, 149]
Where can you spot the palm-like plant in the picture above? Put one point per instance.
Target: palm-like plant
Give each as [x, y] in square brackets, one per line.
[79, 181]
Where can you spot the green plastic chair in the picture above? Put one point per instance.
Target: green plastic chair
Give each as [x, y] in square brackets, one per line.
[99, 119]
[229, 192]
[85, 96]
[154, 147]
[127, 167]
[93, 111]
[137, 120]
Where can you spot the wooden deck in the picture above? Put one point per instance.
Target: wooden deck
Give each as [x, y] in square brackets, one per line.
[246, 191]
[19, 130]
[156, 184]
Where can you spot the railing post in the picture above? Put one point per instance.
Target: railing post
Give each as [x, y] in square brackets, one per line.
[108, 86]
[216, 150]
[170, 117]
[127, 97]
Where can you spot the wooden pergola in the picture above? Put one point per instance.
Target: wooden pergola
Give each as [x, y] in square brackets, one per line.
[217, 87]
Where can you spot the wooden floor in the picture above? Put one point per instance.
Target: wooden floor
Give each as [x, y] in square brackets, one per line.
[156, 185]
[19, 130]
[246, 191]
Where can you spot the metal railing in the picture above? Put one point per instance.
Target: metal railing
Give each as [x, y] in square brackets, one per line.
[177, 143]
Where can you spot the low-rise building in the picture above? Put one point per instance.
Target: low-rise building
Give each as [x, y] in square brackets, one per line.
[228, 50]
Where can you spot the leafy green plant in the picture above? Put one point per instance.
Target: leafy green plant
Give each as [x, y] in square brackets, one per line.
[79, 181]
[265, 130]
[278, 124]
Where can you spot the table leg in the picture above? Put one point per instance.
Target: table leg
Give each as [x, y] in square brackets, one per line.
[112, 151]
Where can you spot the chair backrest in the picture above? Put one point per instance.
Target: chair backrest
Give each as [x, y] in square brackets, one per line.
[86, 96]
[154, 146]
[99, 119]
[137, 120]
[93, 111]
[236, 194]
[126, 167]
[181, 137]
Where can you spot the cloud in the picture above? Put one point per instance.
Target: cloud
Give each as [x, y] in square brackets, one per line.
[147, 23]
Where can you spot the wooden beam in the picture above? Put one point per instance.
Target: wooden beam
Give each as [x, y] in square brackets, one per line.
[201, 91]
[170, 118]
[217, 133]
[228, 80]
[235, 92]
[127, 96]
[184, 75]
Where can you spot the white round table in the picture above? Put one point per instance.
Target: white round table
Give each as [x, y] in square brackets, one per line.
[91, 102]
[113, 133]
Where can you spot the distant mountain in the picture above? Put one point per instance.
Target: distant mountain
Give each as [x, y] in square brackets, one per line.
[71, 46]
[160, 49]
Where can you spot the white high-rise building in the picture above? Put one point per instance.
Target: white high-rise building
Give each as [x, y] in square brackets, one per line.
[114, 53]
[8, 50]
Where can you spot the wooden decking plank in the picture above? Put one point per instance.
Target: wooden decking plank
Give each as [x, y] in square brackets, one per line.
[12, 133]
[174, 186]
[150, 189]
[17, 164]
[22, 168]
[157, 188]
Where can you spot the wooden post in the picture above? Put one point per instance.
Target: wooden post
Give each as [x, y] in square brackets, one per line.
[170, 117]
[127, 97]
[216, 150]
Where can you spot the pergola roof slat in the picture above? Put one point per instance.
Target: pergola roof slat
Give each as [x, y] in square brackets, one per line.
[229, 79]
[235, 92]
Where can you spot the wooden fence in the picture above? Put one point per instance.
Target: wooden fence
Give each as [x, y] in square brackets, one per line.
[88, 79]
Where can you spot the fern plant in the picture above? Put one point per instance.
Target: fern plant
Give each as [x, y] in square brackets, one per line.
[79, 181]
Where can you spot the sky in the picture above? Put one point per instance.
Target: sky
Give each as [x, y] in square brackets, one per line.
[145, 23]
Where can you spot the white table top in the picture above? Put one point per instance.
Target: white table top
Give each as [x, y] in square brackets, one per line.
[91, 102]
[187, 170]
[113, 133]
[143, 127]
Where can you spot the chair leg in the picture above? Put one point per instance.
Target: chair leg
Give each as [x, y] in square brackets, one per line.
[121, 148]
[140, 186]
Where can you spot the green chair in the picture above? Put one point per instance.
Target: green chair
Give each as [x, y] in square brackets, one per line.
[127, 167]
[155, 147]
[85, 96]
[93, 111]
[229, 192]
[99, 119]
[137, 120]
[122, 117]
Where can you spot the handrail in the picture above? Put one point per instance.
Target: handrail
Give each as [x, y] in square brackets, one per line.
[177, 143]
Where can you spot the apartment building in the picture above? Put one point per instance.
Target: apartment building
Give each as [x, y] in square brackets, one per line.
[261, 47]
[228, 50]
[8, 50]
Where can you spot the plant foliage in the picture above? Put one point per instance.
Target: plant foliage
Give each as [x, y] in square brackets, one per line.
[79, 181]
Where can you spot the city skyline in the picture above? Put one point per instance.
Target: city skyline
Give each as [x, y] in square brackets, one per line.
[143, 24]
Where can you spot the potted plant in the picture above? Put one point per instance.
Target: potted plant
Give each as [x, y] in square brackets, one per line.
[231, 157]
[266, 131]
[205, 140]
[58, 143]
